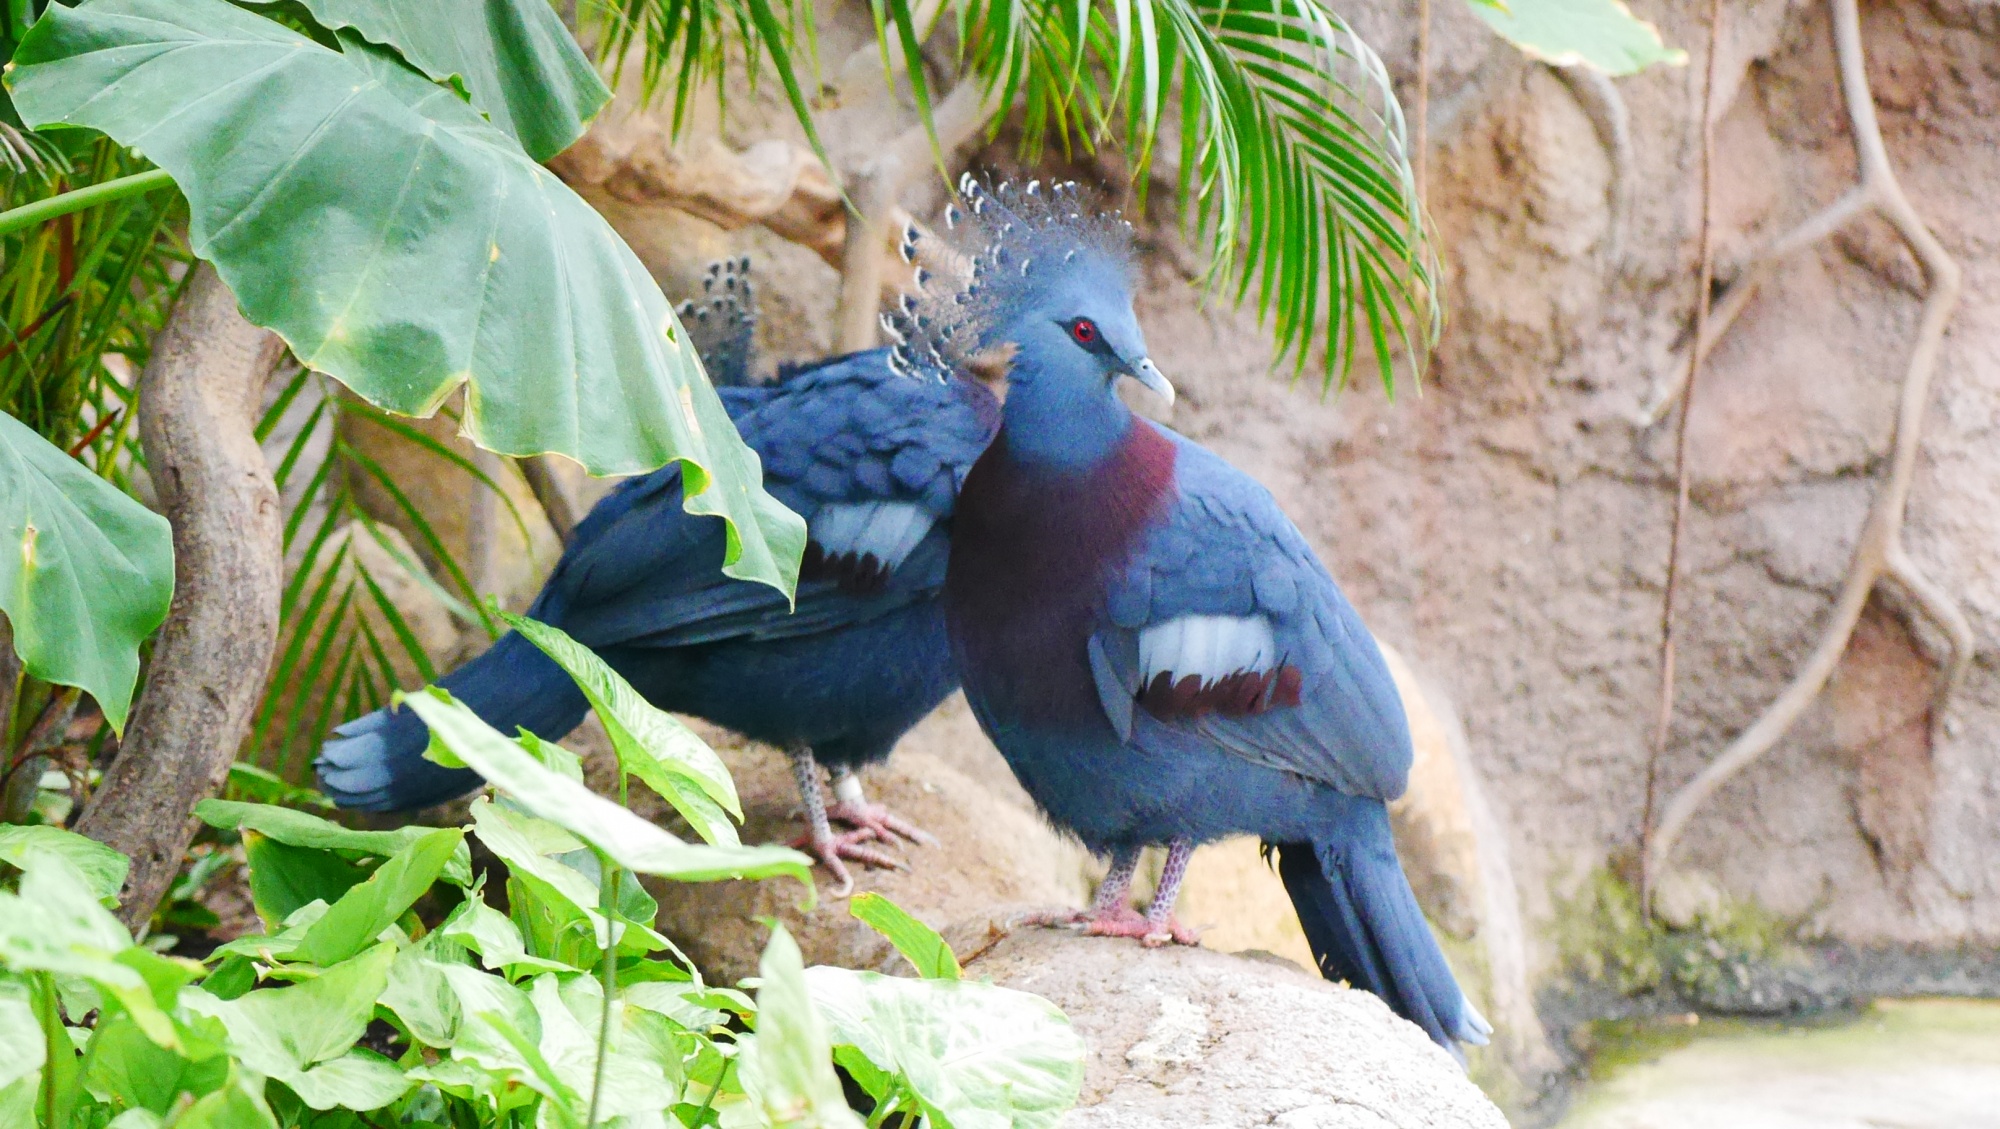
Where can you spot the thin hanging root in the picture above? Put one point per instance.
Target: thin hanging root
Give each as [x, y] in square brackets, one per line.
[1749, 275]
[1600, 101]
[1879, 554]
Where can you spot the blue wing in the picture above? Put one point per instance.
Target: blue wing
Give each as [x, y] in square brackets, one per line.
[872, 461]
[1226, 624]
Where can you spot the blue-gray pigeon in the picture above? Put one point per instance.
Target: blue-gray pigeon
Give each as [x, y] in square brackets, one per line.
[1148, 639]
[872, 458]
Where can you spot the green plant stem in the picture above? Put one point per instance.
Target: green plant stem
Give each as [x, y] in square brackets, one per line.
[708, 1102]
[60, 1073]
[89, 196]
[607, 904]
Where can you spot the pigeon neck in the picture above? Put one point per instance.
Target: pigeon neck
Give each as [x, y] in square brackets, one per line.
[1061, 426]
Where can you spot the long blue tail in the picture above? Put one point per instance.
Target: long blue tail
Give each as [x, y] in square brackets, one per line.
[1364, 926]
[376, 762]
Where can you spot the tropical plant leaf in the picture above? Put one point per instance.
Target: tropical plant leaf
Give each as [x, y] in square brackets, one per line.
[239, 1105]
[630, 841]
[55, 925]
[520, 66]
[368, 908]
[103, 868]
[285, 879]
[1601, 34]
[564, 342]
[919, 943]
[81, 296]
[651, 743]
[304, 1034]
[686, 44]
[494, 937]
[21, 1049]
[970, 1055]
[786, 1068]
[86, 573]
[300, 829]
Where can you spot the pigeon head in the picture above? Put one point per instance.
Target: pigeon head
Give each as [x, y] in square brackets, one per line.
[1047, 297]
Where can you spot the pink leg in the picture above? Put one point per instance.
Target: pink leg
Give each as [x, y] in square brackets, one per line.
[819, 839]
[1161, 928]
[871, 821]
[1110, 914]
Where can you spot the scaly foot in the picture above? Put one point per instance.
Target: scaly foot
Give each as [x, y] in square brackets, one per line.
[876, 821]
[831, 849]
[1121, 921]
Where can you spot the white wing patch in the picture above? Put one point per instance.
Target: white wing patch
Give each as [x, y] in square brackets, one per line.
[1210, 647]
[886, 531]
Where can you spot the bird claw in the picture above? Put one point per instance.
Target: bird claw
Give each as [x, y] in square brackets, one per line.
[876, 821]
[831, 850]
[1172, 932]
[1122, 922]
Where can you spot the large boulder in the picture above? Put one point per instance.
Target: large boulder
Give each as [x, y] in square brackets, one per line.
[1190, 1038]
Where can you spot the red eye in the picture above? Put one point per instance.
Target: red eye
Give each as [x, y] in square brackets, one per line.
[1084, 330]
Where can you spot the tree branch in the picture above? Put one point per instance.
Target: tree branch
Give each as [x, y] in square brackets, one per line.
[549, 490]
[875, 189]
[198, 399]
[1879, 554]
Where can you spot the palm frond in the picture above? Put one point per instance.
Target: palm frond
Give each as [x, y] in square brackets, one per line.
[685, 46]
[1290, 153]
[345, 644]
[80, 299]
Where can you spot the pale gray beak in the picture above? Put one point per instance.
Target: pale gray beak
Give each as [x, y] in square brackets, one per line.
[1149, 374]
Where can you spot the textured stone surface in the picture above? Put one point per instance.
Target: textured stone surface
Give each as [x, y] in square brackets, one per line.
[1189, 1038]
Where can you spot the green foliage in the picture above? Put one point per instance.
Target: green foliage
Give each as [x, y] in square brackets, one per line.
[80, 290]
[343, 642]
[517, 62]
[80, 297]
[1289, 145]
[1601, 34]
[1607, 939]
[103, 868]
[919, 943]
[404, 244]
[685, 771]
[786, 1068]
[1292, 156]
[86, 573]
[356, 1010]
[957, 1053]
[594, 821]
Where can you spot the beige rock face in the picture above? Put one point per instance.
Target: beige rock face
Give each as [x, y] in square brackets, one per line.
[1189, 1038]
[1509, 527]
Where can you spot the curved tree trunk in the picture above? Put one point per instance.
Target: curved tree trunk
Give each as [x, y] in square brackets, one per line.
[198, 402]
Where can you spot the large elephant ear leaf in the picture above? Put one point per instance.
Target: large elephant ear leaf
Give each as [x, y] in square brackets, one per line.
[517, 61]
[86, 573]
[405, 245]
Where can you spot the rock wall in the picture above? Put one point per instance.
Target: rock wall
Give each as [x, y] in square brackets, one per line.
[1509, 527]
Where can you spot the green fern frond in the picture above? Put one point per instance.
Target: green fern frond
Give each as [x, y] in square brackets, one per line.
[1290, 155]
[344, 643]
